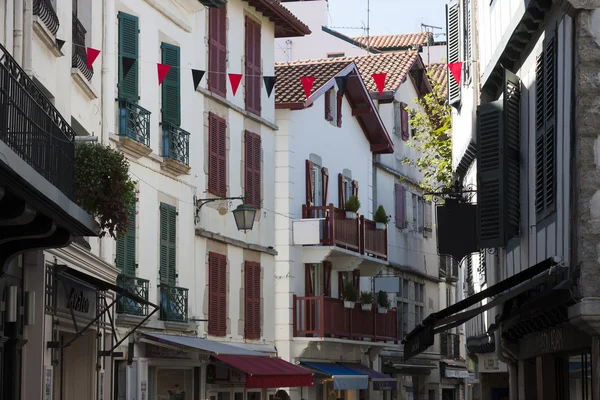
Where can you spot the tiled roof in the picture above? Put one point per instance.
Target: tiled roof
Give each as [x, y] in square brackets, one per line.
[286, 23]
[396, 65]
[439, 74]
[289, 88]
[388, 42]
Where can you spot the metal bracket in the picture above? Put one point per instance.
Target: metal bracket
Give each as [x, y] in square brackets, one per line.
[457, 193]
[200, 202]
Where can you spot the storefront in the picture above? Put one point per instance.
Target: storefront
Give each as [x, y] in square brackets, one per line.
[413, 377]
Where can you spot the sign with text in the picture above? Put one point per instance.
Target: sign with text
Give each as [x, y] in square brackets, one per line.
[554, 340]
[419, 343]
[80, 299]
[488, 363]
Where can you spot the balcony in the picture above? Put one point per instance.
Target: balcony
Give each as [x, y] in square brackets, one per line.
[173, 304]
[44, 10]
[357, 235]
[134, 128]
[323, 317]
[176, 149]
[450, 345]
[448, 269]
[79, 59]
[135, 285]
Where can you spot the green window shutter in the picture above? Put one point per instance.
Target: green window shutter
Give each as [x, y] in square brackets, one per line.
[512, 133]
[453, 48]
[171, 87]
[128, 47]
[168, 232]
[126, 247]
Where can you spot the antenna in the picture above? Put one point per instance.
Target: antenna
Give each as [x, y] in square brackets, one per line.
[368, 25]
[429, 29]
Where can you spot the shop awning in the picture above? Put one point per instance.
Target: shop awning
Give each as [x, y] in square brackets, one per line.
[344, 378]
[268, 372]
[198, 344]
[380, 381]
[422, 337]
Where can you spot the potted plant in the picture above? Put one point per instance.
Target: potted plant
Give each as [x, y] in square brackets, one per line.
[383, 302]
[366, 300]
[381, 218]
[351, 207]
[349, 295]
[176, 393]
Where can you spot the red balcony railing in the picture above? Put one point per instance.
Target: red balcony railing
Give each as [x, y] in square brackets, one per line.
[359, 235]
[321, 316]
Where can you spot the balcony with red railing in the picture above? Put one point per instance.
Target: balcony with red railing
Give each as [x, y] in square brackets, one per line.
[359, 235]
[321, 316]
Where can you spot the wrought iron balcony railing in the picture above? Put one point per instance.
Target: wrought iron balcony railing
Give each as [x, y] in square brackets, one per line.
[33, 128]
[45, 11]
[135, 285]
[176, 143]
[134, 122]
[79, 59]
[173, 303]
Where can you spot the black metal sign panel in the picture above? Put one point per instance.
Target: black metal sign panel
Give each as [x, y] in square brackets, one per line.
[418, 344]
[555, 340]
[457, 229]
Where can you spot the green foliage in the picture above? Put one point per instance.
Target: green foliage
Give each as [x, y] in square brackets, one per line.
[432, 123]
[366, 298]
[349, 292]
[381, 216]
[352, 204]
[382, 299]
[104, 188]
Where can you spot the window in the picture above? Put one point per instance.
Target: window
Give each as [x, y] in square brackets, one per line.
[397, 118]
[168, 234]
[253, 169]
[252, 292]
[411, 303]
[405, 127]
[125, 259]
[128, 55]
[338, 113]
[315, 275]
[217, 50]
[467, 41]
[415, 212]
[453, 47]
[329, 112]
[171, 97]
[421, 216]
[427, 220]
[400, 195]
[217, 294]
[253, 66]
[217, 155]
[317, 185]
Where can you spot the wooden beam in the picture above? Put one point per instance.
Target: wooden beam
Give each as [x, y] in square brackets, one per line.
[363, 110]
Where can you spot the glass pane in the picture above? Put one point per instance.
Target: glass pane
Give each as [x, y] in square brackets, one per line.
[580, 377]
[223, 396]
[252, 396]
[238, 396]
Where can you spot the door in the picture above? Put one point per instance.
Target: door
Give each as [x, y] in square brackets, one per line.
[74, 377]
[448, 394]
[318, 185]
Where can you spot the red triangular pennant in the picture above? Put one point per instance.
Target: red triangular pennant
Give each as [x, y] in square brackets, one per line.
[235, 80]
[455, 70]
[380, 81]
[92, 54]
[163, 70]
[307, 84]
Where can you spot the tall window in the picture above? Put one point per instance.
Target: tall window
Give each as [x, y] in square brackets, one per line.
[217, 294]
[252, 169]
[217, 50]
[217, 155]
[171, 97]
[411, 306]
[253, 66]
[252, 303]
[125, 259]
[168, 248]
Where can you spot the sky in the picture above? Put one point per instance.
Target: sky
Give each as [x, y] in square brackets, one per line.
[387, 16]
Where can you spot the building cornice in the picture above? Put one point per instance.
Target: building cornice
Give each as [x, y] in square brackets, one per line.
[217, 237]
[81, 259]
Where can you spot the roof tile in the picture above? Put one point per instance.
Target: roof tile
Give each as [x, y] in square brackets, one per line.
[439, 73]
[388, 42]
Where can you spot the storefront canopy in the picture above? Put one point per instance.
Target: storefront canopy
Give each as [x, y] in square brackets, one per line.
[344, 378]
[268, 372]
[199, 344]
[380, 381]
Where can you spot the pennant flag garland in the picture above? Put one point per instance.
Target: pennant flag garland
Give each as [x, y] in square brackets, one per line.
[126, 64]
[92, 54]
[269, 84]
[380, 81]
[235, 80]
[341, 83]
[163, 70]
[307, 84]
[60, 43]
[197, 77]
[455, 70]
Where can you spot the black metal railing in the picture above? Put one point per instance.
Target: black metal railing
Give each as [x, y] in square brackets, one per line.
[45, 11]
[176, 143]
[450, 345]
[448, 269]
[173, 303]
[134, 122]
[137, 286]
[33, 128]
[79, 59]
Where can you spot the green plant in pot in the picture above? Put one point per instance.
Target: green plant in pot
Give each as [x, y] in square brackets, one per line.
[366, 300]
[381, 218]
[349, 295]
[383, 302]
[351, 207]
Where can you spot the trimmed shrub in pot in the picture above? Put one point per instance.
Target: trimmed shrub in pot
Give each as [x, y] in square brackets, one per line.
[351, 207]
[349, 295]
[383, 302]
[381, 218]
[366, 300]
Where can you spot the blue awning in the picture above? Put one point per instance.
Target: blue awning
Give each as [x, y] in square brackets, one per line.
[380, 381]
[343, 378]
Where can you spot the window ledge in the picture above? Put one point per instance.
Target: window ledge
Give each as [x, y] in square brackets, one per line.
[240, 110]
[153, 156]
[133, 148]
[84, 84]
[129, 319]
[175, 167]
[178, 326]
[46, 36]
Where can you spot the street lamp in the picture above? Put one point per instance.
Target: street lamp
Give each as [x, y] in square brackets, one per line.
[244, 214]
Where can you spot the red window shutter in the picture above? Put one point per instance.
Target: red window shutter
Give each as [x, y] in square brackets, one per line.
[404, 113]
[217, 298]
[327, 267]
[253, 66]
[340, 285]
[222, 295]
[308, 284]
[252, 289]
[253, 169]
[400, 198]
[328, 115]
[310, 184]
[356, 279]
[217, 148]
[217, 50]
[341, 192]
[339, 109]
[355, 188]
[325, 183]
[222, 157]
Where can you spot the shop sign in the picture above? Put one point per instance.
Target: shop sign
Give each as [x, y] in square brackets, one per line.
[421, 342]
[553, 340]
[472, 379]
[489, 364]
[80, 299]
[456, 373]
[153, 351]
[48, 384]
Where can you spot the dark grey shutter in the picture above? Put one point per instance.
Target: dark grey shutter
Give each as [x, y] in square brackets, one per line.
[482, 268]
[453, 48]
[512, 128]
[467, 40]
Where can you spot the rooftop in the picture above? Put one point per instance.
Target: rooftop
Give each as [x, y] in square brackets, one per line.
[439, 74]
[396, 42]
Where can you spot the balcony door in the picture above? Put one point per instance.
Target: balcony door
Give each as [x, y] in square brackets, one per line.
[317, 181]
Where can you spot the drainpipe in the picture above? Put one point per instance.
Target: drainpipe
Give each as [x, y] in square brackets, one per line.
[28, 37]
[289, 49]
[18, 32]
[512, 366]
